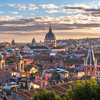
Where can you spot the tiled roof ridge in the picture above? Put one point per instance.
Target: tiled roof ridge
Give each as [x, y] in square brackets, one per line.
[31, 92]
[62, 87]
[57, 90]
[24, 95]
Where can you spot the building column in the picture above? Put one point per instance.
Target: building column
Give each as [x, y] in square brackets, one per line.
[23, 67]
[0, 65]
[86, 71]
[95, 71]
[19, 67]
[90, 71]
[15, 66]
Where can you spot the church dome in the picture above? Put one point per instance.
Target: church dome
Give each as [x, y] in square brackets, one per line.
[33, 41]
[50, 35]
[13, 42]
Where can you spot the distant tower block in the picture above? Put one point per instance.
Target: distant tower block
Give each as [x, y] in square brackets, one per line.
[19, 63]
[2, 61]
[90, 63]
[13, 42]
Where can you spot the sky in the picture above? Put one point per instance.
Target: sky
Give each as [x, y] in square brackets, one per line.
[23, 20]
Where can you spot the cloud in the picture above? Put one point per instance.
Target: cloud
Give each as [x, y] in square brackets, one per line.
[0, 5]
[86, 10]
[11, 5]
[91, 9]
[42, 23]
[52, 11]
[1, 12]
[80, 20]
[22, 6]
[8, 18]
[14, 12]
[62, 27]
[32, 14]
[85, 13]
[69, 12]
[32, 7]
[49, 6]
[79, 8]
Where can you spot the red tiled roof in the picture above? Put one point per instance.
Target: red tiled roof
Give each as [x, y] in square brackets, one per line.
[58, 89]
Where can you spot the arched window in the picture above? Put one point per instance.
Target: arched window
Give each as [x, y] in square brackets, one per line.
[92, 72]
[88, 72]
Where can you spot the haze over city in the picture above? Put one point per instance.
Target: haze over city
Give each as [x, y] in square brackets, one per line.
[22, 20]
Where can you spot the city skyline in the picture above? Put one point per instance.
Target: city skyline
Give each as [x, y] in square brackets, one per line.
[23, 20]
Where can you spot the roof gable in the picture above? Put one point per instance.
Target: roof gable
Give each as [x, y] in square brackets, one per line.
[29, 67]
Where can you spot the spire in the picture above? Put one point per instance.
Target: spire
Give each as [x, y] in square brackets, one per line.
[50, 30]
[90, 57]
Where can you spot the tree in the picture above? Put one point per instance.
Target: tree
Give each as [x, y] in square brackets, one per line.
[83, 90]
[46, 95]
[59, 98]
[80, 90]
[36, 97]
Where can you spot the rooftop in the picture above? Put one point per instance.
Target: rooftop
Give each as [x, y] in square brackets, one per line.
[59, 89]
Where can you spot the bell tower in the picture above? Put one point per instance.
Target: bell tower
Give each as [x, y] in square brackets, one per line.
[19, 63]
[90, 63]
[2, 61]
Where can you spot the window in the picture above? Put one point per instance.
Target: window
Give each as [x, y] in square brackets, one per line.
[39, 82]
[88, 72]
[92, 72]
[43, 84]
[6, 81]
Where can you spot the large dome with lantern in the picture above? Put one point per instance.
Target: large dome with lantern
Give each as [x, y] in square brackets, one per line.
[50, 35]
[33, 41]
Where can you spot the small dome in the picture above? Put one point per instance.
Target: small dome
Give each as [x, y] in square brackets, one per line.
[33, 41]
[50, 35]
[19, 55]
